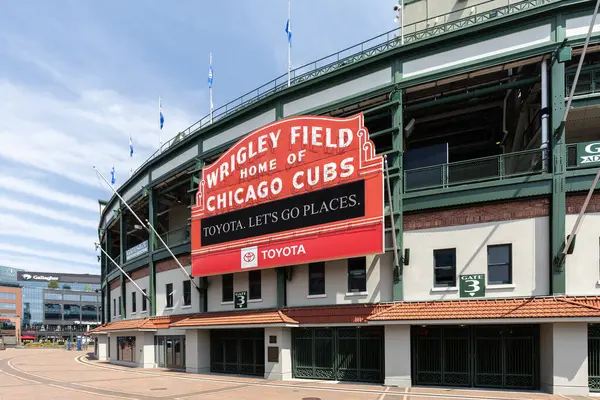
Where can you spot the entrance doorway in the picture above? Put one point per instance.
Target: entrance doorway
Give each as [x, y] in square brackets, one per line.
[170, 351]
[504, 357]
[237, 351]
[342, 354]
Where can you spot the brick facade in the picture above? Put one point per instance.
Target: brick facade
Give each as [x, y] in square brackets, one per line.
[115, 283]
[170, 264]
[493, 212]
[140, 273]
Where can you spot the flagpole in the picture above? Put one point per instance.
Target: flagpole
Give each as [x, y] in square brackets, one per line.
[149, 224]
[402, 22]
[210, 90]
[289, 42]
[159, 127]
[121, 269]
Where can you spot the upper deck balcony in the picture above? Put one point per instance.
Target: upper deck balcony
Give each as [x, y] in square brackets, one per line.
[424, 19]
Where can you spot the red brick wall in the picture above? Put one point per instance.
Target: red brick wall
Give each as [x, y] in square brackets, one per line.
[115, 283]
[575, 202]
[140, 273]
[505, 211]
[492, 212]
[170, 264]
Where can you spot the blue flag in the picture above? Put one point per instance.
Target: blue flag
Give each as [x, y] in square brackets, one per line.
[130, 146]
[160, 113]
[288, 30]
[112, 175]
[210, 75]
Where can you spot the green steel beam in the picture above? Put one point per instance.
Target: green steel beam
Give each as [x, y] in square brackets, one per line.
[557, 139]
[474, 93]
[152, 210]
[123, 296]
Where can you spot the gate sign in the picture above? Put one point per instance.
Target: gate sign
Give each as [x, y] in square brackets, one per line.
[299, 190]
[241, 299]
[472, 285]
[588, 154]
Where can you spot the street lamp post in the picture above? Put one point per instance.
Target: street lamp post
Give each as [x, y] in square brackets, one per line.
[399, 8]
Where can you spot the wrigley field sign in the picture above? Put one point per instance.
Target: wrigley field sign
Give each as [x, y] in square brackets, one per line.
[588, 154]
[299, 190]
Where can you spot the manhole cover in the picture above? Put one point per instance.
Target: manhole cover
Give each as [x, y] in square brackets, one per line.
[158, 389]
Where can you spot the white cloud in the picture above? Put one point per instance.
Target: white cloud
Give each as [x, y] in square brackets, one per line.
[35, 264]
[35, 189]
[14, 226]
[44, 211]
[57, 255]
[68, 136]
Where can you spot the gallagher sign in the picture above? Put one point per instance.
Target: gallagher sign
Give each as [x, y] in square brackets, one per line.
[588, 154]
[299, 190]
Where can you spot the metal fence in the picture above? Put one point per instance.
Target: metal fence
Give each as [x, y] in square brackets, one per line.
[471, 171]
[175, 237]
[414, 32]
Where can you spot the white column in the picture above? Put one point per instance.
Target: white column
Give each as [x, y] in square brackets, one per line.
[564, 358]
[197, 351]
[102, 347]
[397, 355]
[146, 349]
[282, 369]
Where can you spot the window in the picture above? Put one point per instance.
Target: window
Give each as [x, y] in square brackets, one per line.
[72, 312]
[126, 348]
[144, 300]
[254, 285]
[119, 306]
[169, 293]
[316, 278]
[357, 274]
[90, 299]
[8, 296]
[52, 311]
[500, 264]
[52, 296]
[133, 302]
[444, 268]
[187, 293]
[8, 306]
[114, 307]
[227, 287]
[72, 297]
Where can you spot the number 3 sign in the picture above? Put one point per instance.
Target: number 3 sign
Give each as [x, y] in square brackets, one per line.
[472, 285]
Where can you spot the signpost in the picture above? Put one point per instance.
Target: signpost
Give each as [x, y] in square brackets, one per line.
[241, 299]
[588, 154]
[472, 285]
[302, 189]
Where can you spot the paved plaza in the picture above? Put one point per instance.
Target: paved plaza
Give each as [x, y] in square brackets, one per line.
[48, 374]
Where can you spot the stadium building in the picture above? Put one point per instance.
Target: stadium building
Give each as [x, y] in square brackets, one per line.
[278, 252]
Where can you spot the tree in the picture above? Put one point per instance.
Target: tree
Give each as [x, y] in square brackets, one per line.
[53, 285]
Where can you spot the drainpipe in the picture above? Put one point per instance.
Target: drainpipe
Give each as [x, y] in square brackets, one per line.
[544, 112]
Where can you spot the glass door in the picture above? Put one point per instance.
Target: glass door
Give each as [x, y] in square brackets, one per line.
[160, 351]
[169, 349]
[177, 355]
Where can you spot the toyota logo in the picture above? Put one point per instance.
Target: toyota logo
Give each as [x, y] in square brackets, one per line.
[249, 257]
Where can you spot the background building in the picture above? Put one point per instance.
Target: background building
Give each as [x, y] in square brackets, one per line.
[8, 274]
[486, 185]
[59, 305]
[10, 313]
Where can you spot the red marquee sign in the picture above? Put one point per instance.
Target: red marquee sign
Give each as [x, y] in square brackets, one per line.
[299, 190]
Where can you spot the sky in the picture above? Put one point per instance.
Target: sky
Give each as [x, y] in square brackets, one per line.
[78, 77]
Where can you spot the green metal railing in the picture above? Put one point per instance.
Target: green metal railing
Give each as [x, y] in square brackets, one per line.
[471, 171]
[174, 237]
[588, 82]
[421, 30]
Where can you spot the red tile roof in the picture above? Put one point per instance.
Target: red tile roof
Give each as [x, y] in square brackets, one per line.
[541, 307]
[251, 317]
[515, 308]
[339, 314]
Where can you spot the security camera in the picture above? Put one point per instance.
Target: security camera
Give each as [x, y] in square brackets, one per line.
[397, 7]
